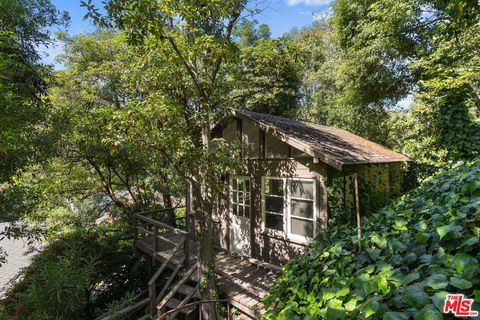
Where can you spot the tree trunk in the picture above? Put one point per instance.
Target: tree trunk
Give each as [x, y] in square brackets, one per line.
[206, 258]
[167, 203]
[206, 269]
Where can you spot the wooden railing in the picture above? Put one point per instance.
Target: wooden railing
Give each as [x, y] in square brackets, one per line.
[152, 284]
[148, 226]
[177, 286]
[171, 314]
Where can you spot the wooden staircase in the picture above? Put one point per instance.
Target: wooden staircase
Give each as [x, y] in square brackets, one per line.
[184, 290]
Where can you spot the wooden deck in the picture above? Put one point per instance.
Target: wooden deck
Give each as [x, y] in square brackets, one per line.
[244, 281]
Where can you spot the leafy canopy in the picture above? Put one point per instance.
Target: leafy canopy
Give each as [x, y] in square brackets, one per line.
[25, 25]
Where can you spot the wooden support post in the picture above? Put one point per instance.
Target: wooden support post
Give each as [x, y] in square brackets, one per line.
[186, 249]
[152, 294]
[357, 205]
[187, 209]
[135, 229]
[155, 236]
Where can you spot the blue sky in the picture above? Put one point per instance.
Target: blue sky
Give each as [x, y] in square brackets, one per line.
[280, 15]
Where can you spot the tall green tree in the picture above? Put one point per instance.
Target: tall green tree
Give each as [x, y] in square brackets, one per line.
[25, 25]
[429, 48]
[98, 103]
[197, 36]
[264, 77]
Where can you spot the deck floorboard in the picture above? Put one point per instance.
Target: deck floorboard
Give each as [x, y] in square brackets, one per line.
[243, 282]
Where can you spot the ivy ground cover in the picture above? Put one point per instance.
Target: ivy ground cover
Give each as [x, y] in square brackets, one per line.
[414, 252]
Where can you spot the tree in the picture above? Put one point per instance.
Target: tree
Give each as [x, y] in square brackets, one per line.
[429, 48]
[248, 34]
[25, 25]
[197, 37]
[265, 77]
[98, 103]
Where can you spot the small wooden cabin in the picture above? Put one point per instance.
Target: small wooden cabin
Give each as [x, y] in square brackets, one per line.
[274, 209]
[265, 216]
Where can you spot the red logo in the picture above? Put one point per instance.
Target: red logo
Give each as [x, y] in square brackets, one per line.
[459, 306]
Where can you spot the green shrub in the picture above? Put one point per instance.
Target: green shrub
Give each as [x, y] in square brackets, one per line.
[414, 252]
[79, 275]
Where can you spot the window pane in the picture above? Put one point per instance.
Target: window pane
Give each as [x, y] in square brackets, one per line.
[274, 204]
[235, 209]
[246, 212]
[247, 199]
[274, 221]
[302, 227]
[302, 189]
[274, 186]
[302, 208]
[240, 197]
[247, 185]
[240, 211]
[234, 184]
[234, 197]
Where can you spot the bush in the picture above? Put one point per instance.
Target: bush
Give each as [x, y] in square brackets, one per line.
[413, 253]
[79, 275]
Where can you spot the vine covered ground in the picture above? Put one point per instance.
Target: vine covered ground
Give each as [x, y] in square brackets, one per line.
[414, 252]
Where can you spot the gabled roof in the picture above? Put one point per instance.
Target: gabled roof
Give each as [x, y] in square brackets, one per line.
[336, 147]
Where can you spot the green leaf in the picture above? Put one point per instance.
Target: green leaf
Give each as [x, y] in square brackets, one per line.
[437, 281]
[335, 310]
[477, 295]
[380, 241]
[371, 307]
[415, 296]
[351, 304]
[369, 286]
[382, 284]
[470, 241]
[410, 278]
[451, 230]
[438, 299]
[464, 262]
[428, 313]
[342, 292]
[373, 253]
[336, 249]
[460, 283]
[391, 315]
[287, 314]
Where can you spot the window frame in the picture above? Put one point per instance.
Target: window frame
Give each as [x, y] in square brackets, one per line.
[287, 209]
[230, 197]
[264, 211]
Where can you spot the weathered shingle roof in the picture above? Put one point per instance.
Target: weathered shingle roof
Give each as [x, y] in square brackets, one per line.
[336, 147]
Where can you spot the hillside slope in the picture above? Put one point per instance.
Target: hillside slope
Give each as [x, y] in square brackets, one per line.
[414, 252]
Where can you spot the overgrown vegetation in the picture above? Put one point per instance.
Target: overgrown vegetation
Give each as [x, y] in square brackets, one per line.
[127, 123]
[79, 276]
[413, 253]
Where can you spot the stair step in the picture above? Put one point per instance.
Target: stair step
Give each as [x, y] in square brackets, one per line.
[174, 303]
[186, 290]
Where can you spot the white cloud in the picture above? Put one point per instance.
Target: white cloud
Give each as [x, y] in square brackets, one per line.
[308, 2]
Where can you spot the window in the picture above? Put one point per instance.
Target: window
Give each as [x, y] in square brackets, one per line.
[274, 195]
[240, 196]
[302, 204]
[289, 207]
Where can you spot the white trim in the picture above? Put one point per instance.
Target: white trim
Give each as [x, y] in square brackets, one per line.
[287, 215]
[249, 206]
[275, 232]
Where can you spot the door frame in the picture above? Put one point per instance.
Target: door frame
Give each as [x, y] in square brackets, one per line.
[231, 215]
